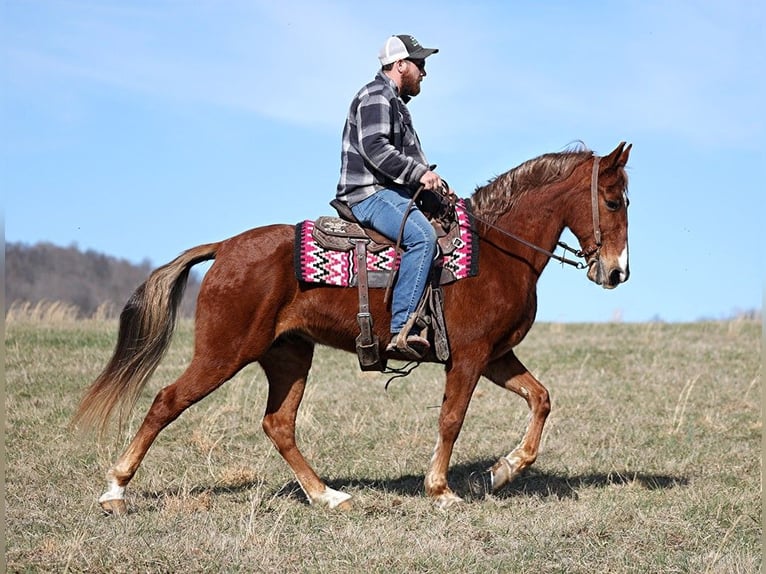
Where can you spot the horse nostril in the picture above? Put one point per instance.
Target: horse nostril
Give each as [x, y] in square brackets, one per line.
[615, 277]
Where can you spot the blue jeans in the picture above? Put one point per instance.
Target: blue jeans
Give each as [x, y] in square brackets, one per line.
[384, 211]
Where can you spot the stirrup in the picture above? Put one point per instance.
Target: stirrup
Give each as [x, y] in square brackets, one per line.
[411, 347]
[414, 347]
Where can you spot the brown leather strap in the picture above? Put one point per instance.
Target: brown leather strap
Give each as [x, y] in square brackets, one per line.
[367, 343]
[594, 201]
[398, 245]
[360, 252]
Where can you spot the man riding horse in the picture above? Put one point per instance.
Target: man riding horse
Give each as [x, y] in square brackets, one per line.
[253, 308]
[382, 166]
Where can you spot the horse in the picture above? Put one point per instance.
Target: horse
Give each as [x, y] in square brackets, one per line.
[251, 308]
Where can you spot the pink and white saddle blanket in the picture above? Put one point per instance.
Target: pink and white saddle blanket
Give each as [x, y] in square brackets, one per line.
[324, 251]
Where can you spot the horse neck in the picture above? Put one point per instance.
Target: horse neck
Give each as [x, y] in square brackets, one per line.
[538, 217]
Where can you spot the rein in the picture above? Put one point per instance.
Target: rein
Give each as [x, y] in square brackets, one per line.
[564, 246]
[398, 247]
[590, 253]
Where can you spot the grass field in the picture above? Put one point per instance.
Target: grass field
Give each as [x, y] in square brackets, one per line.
[650, 462]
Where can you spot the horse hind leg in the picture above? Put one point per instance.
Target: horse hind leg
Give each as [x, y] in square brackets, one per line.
[287, 365]
[199, 380]
[509, 373]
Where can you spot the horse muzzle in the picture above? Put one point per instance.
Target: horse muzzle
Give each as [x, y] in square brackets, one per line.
[607, 275]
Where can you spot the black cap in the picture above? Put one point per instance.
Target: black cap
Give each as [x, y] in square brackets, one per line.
[402, 47]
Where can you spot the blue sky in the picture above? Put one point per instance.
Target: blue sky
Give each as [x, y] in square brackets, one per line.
[139, 129]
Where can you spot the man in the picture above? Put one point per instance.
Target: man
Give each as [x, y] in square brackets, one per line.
[382, 166]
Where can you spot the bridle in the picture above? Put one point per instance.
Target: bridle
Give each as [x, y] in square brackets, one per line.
[595, 251]
[591, 254]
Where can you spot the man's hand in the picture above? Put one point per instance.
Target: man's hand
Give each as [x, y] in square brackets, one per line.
[431, 181]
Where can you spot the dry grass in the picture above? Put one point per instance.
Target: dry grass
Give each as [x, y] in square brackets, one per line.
[53, 313]
[651, 462]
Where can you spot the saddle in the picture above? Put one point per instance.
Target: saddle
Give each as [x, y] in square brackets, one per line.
[340, 251]
[343, 233]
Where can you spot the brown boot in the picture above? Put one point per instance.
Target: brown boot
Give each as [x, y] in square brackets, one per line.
[413, 347]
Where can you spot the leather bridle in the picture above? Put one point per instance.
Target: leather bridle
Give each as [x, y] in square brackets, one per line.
[591, 254]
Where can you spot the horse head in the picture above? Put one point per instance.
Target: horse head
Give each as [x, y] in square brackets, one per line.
[602, 227]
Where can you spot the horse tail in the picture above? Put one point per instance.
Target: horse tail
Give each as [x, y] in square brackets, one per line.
[146, 327]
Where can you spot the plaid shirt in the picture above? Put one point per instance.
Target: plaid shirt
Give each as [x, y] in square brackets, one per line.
[380, 146]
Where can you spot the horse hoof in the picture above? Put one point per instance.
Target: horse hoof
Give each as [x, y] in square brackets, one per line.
[115, 506]
[333, 499]
[346, 505]
[447, 500]
[505, 471]
[480, 483]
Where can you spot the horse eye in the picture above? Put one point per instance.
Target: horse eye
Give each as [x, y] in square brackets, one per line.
[612, 205]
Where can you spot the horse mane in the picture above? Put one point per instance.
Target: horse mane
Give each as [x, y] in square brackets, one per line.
[500, 194]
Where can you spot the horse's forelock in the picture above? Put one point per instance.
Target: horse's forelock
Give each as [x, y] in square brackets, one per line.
[500, 193]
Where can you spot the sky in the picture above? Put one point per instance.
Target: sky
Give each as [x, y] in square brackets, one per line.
[140, 129]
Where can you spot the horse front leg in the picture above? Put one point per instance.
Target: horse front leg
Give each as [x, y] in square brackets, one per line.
[461, 382]
[508, 372]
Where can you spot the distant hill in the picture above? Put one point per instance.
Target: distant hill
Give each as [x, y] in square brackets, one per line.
[86, 280]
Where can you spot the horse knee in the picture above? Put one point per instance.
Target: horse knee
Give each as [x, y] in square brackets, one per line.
[544, 403]
[538, 399]
[450, 425]
[269, 426]
[281, 434]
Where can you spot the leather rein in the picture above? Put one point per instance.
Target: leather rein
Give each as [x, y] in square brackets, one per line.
[590, 254]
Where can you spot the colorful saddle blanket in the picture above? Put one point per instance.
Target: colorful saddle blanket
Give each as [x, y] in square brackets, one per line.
[324, 252]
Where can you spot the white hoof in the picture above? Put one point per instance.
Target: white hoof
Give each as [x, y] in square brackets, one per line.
[447, 500]
[505, 471]
[332, 499]
[115, 506]
[113, 500]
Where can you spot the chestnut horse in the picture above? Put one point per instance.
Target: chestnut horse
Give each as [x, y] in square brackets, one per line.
[251, 308]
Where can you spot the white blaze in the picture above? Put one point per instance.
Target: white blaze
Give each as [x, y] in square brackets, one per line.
[623, 260]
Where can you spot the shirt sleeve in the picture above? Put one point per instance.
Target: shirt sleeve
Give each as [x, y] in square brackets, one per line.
[375, 135]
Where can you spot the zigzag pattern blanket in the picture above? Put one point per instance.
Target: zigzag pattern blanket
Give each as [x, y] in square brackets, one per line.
[315, 264]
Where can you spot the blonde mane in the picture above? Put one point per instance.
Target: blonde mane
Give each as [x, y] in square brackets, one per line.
[500, 194]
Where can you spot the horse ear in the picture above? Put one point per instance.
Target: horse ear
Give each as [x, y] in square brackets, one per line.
[619, 157]
[623, 161]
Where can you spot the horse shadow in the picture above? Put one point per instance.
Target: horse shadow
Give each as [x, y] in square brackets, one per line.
[467, 479]
[469, 482]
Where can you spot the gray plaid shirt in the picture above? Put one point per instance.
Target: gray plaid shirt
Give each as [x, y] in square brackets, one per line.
[380, 146]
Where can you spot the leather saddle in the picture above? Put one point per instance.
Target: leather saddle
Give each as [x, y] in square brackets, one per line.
[344, 233]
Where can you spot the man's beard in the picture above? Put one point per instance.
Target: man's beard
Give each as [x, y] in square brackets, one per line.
[410, 85]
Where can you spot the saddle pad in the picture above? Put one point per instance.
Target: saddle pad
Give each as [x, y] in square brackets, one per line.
[317, 264]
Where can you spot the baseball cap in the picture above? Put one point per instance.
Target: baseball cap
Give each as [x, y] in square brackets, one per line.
[401, 47]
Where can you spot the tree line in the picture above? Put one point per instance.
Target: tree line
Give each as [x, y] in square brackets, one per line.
[87, 280]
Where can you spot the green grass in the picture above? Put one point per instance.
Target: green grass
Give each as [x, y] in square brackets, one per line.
[650, 462]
